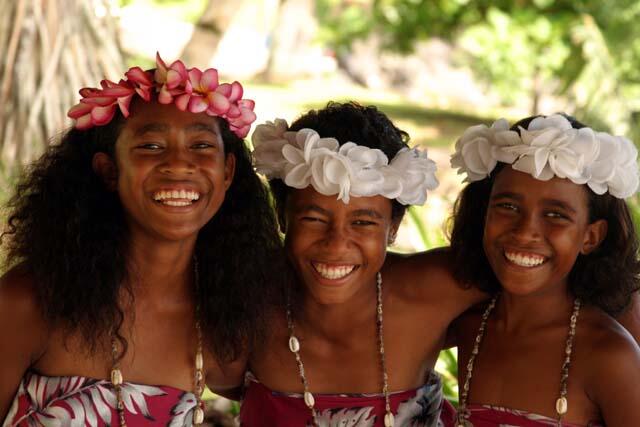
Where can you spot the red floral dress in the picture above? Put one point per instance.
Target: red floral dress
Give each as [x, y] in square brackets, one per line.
[78, 401]
[420, 407]
[496, 416]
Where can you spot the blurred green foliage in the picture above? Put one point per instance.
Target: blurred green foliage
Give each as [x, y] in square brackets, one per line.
[585, 50]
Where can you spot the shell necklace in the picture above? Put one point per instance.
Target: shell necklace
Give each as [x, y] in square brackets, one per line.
[117, 378]
[294, 346]
[462, 419]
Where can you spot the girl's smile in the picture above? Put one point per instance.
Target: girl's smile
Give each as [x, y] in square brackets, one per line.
[337, 248]
[535, 230]
[171, 171]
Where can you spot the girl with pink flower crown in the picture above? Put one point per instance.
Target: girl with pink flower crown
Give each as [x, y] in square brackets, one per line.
[136, 253]
[543, 227]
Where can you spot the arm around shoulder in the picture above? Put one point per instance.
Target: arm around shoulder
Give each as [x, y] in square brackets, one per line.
[615, 387]
[22, 333]
[431, 275]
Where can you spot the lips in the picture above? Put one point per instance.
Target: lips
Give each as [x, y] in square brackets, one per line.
[333, 271]
[176, 197]
[525, 259]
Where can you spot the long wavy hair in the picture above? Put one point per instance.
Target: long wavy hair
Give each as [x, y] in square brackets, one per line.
[68, 232]
[606, 277]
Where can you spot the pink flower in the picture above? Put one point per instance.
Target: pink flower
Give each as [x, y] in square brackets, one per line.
[191, 90]
[173, 81]
[241, 124]
[98, 106]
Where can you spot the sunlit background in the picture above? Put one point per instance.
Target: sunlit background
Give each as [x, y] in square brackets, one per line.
[434, 66]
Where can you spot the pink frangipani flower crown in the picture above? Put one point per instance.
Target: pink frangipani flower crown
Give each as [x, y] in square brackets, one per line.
[190, 89]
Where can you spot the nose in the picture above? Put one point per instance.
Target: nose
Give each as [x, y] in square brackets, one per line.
[336, 239]
[527, 229]
[177, 162]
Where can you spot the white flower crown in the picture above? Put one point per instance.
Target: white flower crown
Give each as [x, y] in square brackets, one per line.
[303, 158]
[550, 147]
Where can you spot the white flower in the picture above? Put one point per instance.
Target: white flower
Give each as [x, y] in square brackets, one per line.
[615, 169]
[268, 139]
[476, 154]
[550, 152]
[302, 158]
[555, 121]
[550, 147]
[417, 174]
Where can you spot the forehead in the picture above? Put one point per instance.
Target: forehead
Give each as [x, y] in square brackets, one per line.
[523, 185]
[308, 198]
[155, 117]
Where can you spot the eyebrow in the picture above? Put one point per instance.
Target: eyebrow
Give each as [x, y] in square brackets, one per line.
[201, 127]
[559, 204]
[549, 202]
[313, 208]
[151, 127]
[367, 212]
[160, 127]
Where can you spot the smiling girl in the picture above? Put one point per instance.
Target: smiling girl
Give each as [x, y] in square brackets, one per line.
[362, 330]
[137, 252]
[543, 226]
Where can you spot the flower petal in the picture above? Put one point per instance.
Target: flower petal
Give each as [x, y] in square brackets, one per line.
[209, 80]
[103, 115]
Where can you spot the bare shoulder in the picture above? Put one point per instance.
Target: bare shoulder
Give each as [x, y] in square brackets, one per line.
[430, 276]
[18, 298]
[608, 342]
[613, 366]
[22, 332]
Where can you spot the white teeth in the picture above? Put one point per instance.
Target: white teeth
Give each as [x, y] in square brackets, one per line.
[176, 203]
[176, 197]
[333, 273]
[524, 260]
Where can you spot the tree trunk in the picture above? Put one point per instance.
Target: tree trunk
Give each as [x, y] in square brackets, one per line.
[209, 30]
[50, 49]
[293, 33]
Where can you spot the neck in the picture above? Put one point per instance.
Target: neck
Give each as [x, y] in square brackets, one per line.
[522, 313]
[337, 321]
[161, 270]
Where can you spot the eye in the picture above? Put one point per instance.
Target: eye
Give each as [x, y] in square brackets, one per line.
[507, 206]
[150, 146]
[556, 215]
[312, 219]
[364, 222]
[203, 145]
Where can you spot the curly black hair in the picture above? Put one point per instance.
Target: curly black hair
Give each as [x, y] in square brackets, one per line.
[68, 232]
[350, 121]
[607, 277]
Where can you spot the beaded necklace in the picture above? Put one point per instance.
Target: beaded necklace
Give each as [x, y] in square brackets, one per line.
[117, 378]
[561, 403]
[294, 347]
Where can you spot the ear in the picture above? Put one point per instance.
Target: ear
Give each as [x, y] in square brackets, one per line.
[106, 169]
[393, 231]
[229, 170]
[595, 234]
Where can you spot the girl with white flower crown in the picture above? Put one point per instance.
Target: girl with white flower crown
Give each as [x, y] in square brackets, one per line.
[358, 340]
[137, 250]
[544, 228]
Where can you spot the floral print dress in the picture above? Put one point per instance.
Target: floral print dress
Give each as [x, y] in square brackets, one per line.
[78, 401]
[420, 407]
[497, 416]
